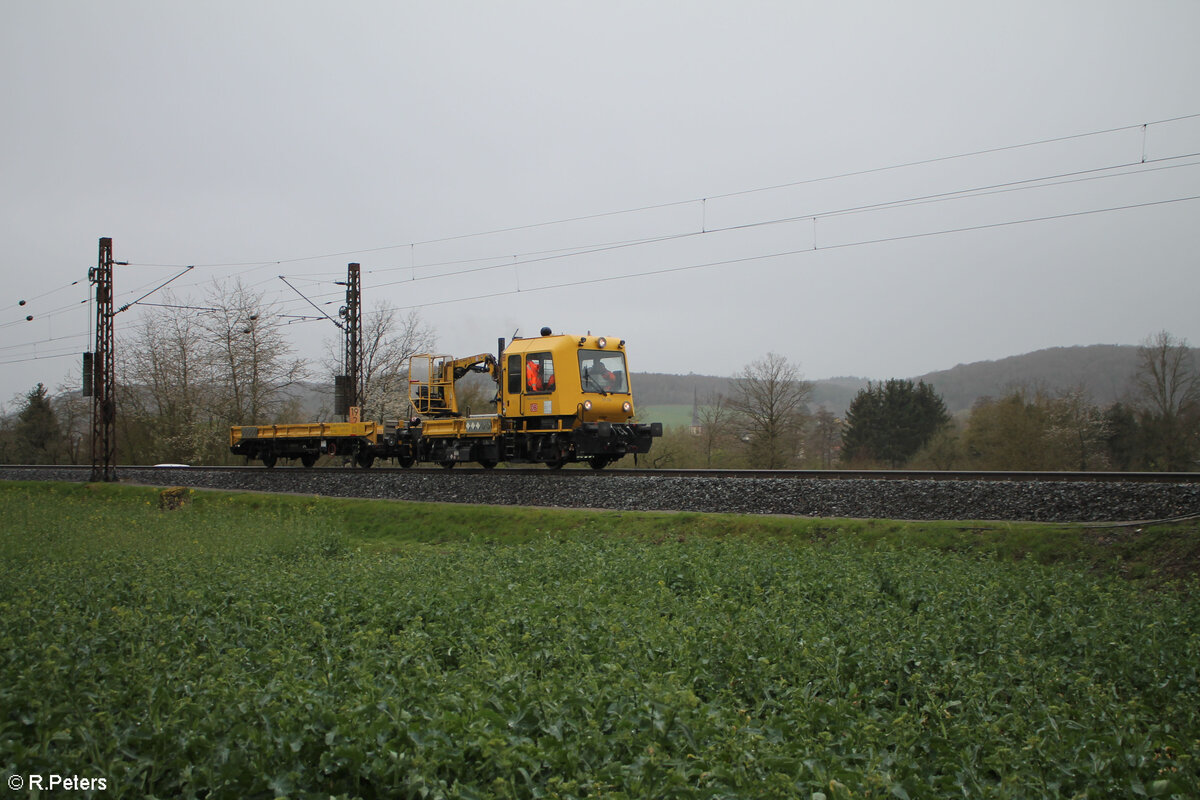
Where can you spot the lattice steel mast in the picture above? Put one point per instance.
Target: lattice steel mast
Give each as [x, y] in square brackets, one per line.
[349, 403]
[103, 372]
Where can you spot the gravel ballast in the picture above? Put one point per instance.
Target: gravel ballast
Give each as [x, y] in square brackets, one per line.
[921, 499]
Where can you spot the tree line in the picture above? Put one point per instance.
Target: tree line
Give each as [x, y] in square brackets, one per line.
[189, 369]
[186, 372]
[764, 422]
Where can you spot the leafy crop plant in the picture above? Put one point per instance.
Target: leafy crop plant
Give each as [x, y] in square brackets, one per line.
[244, 648]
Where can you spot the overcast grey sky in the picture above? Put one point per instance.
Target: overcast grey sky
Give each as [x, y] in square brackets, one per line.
[272, 134]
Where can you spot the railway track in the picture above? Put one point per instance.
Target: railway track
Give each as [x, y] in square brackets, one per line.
[831, 474]
[1051, 497]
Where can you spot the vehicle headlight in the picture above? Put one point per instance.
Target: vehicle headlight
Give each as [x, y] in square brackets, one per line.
[587, 405]
[627, 407]
[602, 342]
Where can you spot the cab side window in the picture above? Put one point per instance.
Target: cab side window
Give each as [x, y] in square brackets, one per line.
[539, 372]
[514, 374]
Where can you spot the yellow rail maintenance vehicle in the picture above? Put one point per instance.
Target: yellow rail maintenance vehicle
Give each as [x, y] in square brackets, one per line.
[559, 399]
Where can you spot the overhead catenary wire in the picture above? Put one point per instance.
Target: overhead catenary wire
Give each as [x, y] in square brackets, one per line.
[694, 200]
[1041, 182]
[43, 316]
[790, 184]
[690, 267]
[73, 353]
[181, 307]
[798, 251]
[814, 215]
[516, 260]
[1141, 164]
[50, 292]
[64, 337]
[54, 312]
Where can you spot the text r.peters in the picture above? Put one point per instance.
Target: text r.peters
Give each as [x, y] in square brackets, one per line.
[67, 783]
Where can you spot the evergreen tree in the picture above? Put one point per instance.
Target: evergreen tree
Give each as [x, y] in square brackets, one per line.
[889, 422]
[37, 431]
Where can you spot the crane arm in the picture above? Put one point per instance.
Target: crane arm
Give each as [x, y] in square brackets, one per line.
[482, 363]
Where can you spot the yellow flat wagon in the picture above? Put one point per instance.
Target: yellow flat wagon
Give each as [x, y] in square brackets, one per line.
[306, 441]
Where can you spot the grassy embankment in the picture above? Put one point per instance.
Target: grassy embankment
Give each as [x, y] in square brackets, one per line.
[243, 645]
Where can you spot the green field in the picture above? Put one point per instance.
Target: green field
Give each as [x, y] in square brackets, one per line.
[244, 646]
[671, 416]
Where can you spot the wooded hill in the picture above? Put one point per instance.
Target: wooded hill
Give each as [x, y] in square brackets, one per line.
[1105, 371]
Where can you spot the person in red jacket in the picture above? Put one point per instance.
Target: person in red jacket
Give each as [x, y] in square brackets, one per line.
[533, 376]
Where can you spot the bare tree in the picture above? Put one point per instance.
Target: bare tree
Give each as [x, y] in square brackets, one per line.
[1077, 430]
[166, 386]
[389, 340]
[770, 397]
[75, 419]
[252, 363]
[1168, 386]
[717, 422]
[824, 438]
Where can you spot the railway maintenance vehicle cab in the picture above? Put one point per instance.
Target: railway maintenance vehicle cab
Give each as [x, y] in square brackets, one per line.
[559, 399]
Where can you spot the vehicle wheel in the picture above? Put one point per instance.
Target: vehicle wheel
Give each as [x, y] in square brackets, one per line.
[269, 460]
[364, 460]
[308, 459]
[447, 464]
[405, 462]
[600, 462]
[487, 464]
[556, 463]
